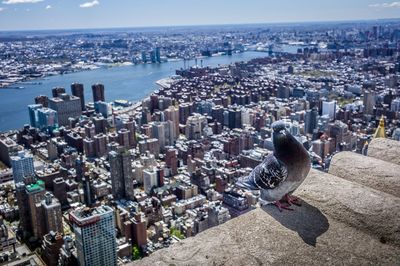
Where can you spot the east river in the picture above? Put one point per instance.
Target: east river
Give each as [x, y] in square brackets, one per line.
[132, 82]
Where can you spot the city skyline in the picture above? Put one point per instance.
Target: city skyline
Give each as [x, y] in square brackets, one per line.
[81, 14]
[263, 135]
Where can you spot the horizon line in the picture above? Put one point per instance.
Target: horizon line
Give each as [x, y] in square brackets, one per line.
[200, 25]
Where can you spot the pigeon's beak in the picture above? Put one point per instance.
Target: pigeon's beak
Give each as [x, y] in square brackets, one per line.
[283, 132]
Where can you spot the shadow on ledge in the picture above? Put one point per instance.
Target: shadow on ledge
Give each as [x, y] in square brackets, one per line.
[306, 220]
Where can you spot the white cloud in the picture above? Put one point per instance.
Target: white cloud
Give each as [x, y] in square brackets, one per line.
[90, 4]
[12, 2]
[48, 6]
[386, 5]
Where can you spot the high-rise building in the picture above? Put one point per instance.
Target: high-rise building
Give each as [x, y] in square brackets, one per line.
[103, 108]
[52, 243]
[149, 179]
[87, 191]
[130, 126]
[43, 100]
[89, 147]
[98, 92]
[22, 166]
[153, 56]
[139, 230]
[57, 91]
[171, 160]
[66, 106]
[100, 124]
[172, 114]
[369, 102]
[33, 114]
[121, 174]
[34, 195]
[90, 130]
[217, 113]
[329, 108]
[158, 132]
[158, 54]
[95, 237]
[195, 125]
[100, 144]
[52, 213]
[311, 120]
[60, 190]
[42, 118]
[7, 148]
[124, 138]
[67, 258]
[185, 109]
[47, 119]
[152, 145]
[234, 118]
[78, 91]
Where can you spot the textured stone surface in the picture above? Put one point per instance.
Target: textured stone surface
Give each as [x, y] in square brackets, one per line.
[265, 236]
[372, 211]
[385, 149]
[339, 223]
[368, 171]
[349, 219]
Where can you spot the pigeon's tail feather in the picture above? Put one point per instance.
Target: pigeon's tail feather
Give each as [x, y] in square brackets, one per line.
[247, 183]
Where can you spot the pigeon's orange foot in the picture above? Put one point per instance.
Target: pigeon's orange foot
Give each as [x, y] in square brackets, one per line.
[282, 206]
[289, 199]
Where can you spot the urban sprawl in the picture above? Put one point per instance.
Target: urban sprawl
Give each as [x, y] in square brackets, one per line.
[88, 175]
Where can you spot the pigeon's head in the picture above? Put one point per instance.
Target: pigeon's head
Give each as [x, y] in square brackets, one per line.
[279, 127]
[280, 135]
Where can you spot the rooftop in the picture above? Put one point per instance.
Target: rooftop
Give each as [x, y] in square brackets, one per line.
[39, 185]
[344, 219]
[85, 213]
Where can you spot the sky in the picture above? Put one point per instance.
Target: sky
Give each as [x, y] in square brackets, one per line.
[76, 14]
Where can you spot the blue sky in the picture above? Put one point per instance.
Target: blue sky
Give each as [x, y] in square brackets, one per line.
[67, 14]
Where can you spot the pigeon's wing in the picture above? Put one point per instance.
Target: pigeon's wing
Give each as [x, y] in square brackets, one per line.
[266, 175]
[270, 173]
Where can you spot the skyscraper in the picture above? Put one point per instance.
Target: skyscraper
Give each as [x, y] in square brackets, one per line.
[311, 120]
[139, 230]
[103, 108]
[35, 193]
[95, 240]
[33, 114]
[369, 102]
[78, 91]
[47, 119]
[149, 179]
[57, 91]
[329, 108]
[121, 174]
[43, 100]
[98, 92]
[22, 165]
[158, 54]
[52, 213]
[66, 106]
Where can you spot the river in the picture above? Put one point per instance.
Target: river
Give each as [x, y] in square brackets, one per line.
[133, 82]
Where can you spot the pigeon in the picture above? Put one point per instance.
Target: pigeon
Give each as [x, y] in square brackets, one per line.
[281, 172]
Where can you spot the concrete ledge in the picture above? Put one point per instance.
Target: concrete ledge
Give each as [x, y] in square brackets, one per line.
[265, 236]
[385, 149]
[364, 208]
[368, 171]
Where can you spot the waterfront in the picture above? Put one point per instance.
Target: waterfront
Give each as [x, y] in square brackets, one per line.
[125, 82]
